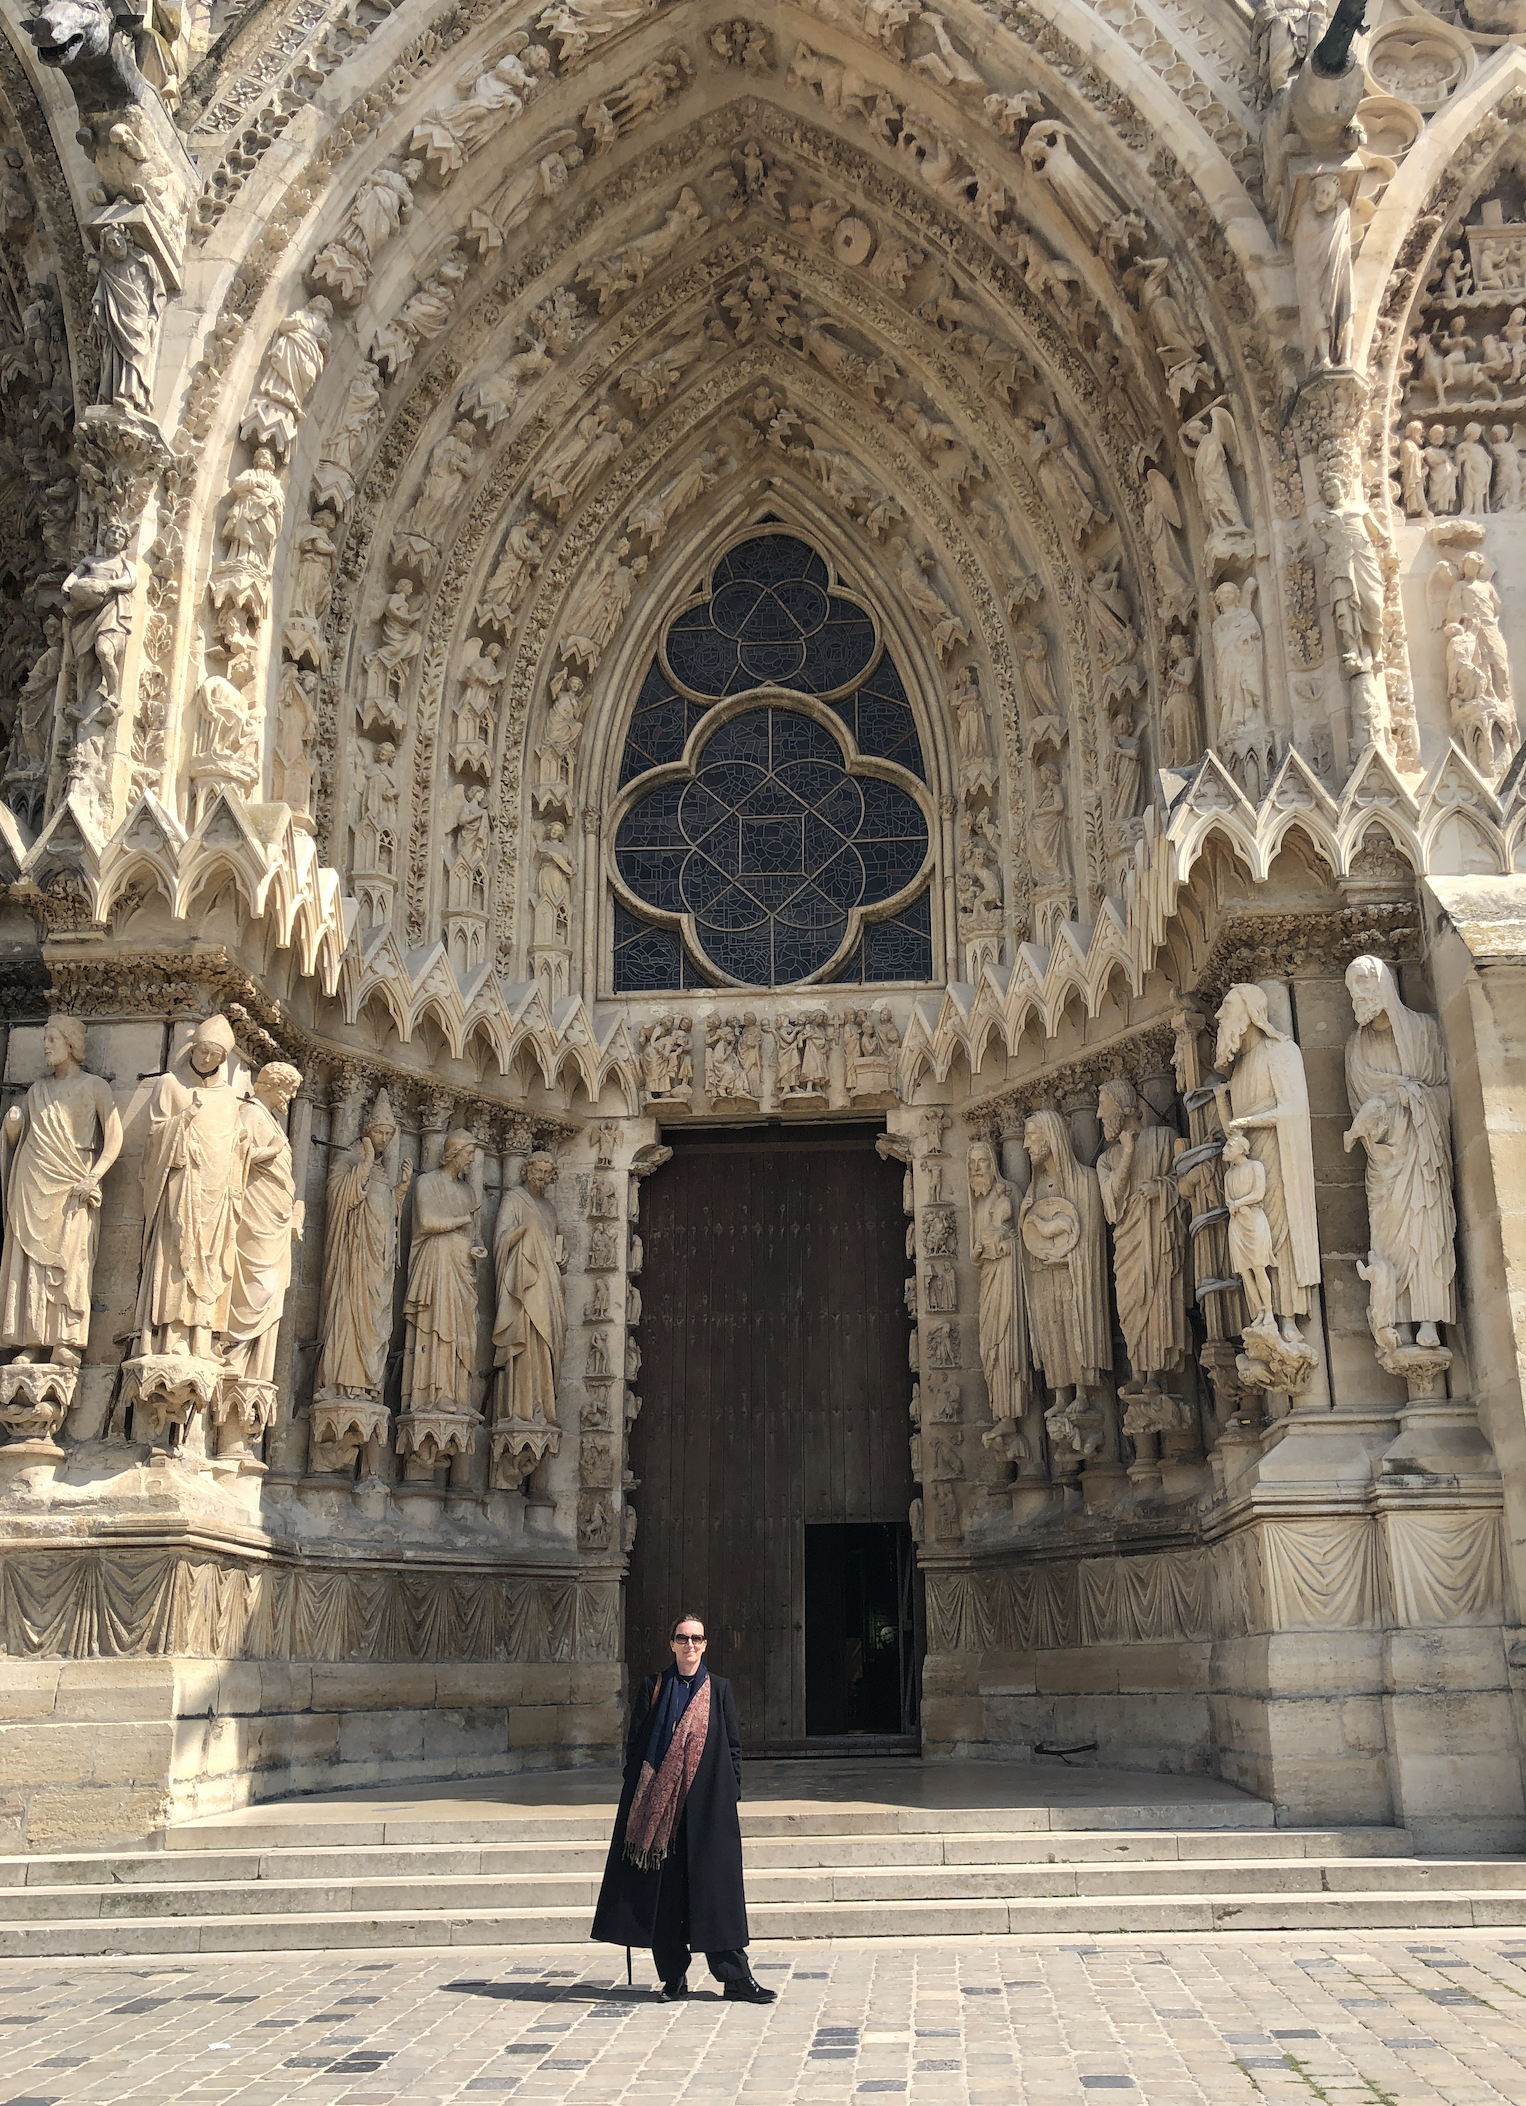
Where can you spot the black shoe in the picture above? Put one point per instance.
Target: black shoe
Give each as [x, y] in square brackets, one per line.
[750, 1992]
[674, 1992]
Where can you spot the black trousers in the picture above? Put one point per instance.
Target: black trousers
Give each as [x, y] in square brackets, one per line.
[670, 1932]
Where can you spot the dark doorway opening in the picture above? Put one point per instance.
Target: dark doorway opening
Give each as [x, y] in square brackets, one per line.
[860, 1637]
[774, 1383]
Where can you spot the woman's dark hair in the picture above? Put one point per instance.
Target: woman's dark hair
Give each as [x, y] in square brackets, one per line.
[687, 1616]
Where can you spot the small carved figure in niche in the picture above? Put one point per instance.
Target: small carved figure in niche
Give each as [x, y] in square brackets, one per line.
[452, 461]
[294, 358]
[1049, 830]
[1060, 1227]
[1245, 736]
[270, 1219]
[529, 1258]
[1163, 521]
[441, 1300]
[480, 674]
[366, 1190]
[240, 580]
[1047, 726]
[1354, 576]
[598, 1357]
[1212, 443]
[1323, 270]
[595, 441]
[1282, 32]
[596, 1303]
[193, 1173]
[603, 1248]
[312, 590]
[551, 902]
[666, 1056]
[380, 205]
[1143, 1206]
[979, 883]
[1177, 342]
[493, 400]
[389, 662]
[1104, 225]
[1250, 1234]
[1507, 469]
[1472, 600]
[1112, 623]
[603, 1199]
[726, 1075]
[1267, 1098]
[690, 484]
[1440, 472]
[1003, 1317]
[1402, 1114]
[227, 738]
[1475, 471]
[1181, 739]
[1412, 470]
[376, 835]
[1069, 488]
[750, 1054]
[33, 722]
[969, 716]
[423, 316]
[128, 306]
[599, 609]
[1124, 763]
[347, 444]
[55, 1148]
[944, 626]
[96, 596]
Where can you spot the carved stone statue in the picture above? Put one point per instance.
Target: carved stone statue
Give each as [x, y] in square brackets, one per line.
[1402, 1114]
[1180, 734]
[1354, 575]
[55, 1148]
[1211, 443]
[1323, 270]
[522, 557]
[241, 579]
[311, 592]
[128, 305]
[667, 1060]
[452, 462]
[347, 444]
[294, 358]
[380, 205]
[390, 661]
[1267, 1099]
[1003, 1317]
[1141, 1201]
[1245, 733]
[269, 1220]
[96, 594]
[1100, 220]
[529, 1259]
[195, 1160]
[437, 1419]
[1060, 1225]
[366, 1190]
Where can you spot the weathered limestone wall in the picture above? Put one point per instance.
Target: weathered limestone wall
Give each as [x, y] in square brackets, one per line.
[104, 1752]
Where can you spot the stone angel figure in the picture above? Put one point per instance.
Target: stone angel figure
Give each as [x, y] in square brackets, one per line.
[55, 1148]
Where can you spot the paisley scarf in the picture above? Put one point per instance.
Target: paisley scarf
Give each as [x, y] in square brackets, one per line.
[661, 1791]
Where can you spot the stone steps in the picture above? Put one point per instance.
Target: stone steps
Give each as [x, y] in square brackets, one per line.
[520, 1865]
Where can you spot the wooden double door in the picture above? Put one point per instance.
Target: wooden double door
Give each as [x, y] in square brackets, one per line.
[772, 1447]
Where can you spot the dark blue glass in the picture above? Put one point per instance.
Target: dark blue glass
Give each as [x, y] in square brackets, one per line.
[650, 960]
[771, 846]
[898, 949]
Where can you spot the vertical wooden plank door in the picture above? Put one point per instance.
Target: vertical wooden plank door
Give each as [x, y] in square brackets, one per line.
[774, 1386]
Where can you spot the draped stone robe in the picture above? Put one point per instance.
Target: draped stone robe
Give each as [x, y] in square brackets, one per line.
[1149, 1249]
[262, 1244]
[193, 1179]
[50, 1236]
[1269, 1076]
[531, 1328]
[1411, 1213]
[359, 1262]
[441, 1305]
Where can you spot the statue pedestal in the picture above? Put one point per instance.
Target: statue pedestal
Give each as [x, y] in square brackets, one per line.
[1104, 1485]
[167, 1390]
[520, 1446]
[430, 1438]
[29, 1466]
[340, 1426]
[35, 1396]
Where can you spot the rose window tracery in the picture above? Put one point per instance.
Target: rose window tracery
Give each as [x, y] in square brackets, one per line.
[784, 844]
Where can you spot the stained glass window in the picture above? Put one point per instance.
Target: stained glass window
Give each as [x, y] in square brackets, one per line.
[772, 847]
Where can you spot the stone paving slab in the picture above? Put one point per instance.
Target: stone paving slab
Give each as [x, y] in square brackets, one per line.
[1147, 2021]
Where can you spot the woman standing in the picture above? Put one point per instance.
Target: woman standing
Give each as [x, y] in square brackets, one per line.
[673, 1879]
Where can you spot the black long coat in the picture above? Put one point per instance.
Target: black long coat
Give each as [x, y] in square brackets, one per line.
[709, 1830]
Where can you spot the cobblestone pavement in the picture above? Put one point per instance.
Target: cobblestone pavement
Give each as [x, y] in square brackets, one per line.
[1172, 2021]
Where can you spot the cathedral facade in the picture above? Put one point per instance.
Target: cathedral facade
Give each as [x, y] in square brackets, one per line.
[760, 824]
